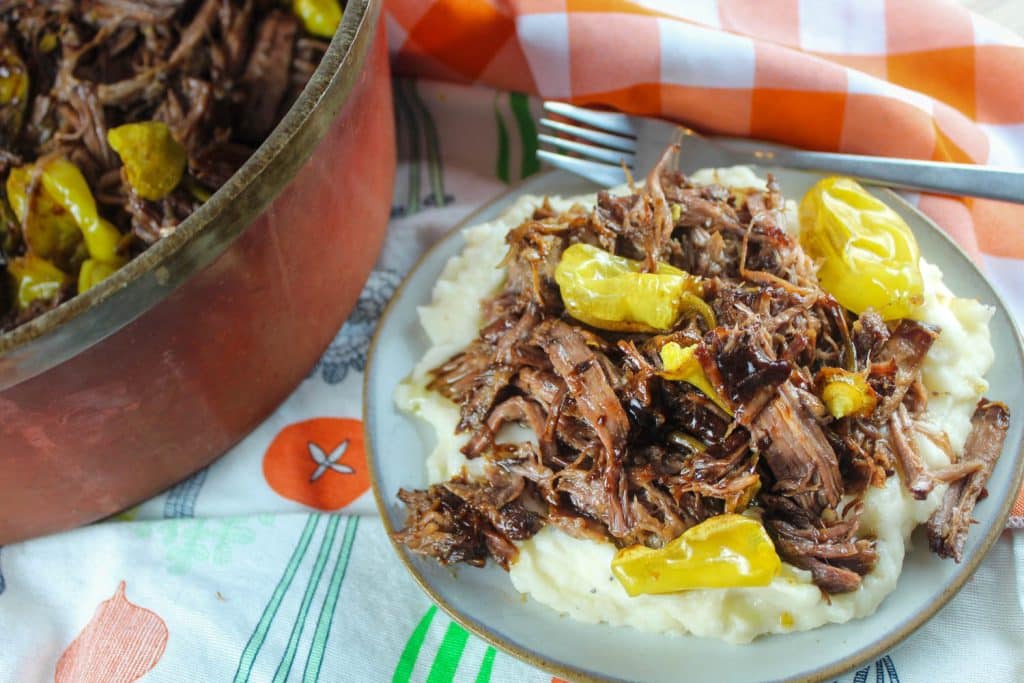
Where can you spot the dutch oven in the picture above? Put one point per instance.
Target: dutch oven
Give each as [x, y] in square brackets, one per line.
[123, 391]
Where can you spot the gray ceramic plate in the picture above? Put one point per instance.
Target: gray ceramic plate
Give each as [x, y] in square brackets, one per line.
[484, 601]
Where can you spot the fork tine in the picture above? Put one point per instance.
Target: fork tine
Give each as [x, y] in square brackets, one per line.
[606, 139]
[602, 174]
[589, 151]
[602, 120]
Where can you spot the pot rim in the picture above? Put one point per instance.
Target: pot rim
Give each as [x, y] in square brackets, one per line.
[84, 320]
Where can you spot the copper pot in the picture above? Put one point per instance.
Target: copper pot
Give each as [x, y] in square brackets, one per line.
[119, 393]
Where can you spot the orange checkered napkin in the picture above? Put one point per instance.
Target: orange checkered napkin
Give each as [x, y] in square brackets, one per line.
[922, 79]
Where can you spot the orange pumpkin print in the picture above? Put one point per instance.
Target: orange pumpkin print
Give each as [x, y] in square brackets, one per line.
[320, 463]
[120, 644]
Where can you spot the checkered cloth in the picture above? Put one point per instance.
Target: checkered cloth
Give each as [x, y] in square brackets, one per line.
[925, 79]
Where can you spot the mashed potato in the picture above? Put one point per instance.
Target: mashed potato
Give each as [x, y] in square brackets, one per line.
[573, 576]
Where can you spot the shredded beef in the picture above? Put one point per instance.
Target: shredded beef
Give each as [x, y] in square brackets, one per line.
[835, 561]
[618, 453]
[266, 75]
[869, 336]
[947, 528]
[467, 521]
[796, 450]
[219, 73]
[906, 348]
[444, 526]
[139, 10]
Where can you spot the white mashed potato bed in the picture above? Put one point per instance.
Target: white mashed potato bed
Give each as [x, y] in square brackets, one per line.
[573, 576]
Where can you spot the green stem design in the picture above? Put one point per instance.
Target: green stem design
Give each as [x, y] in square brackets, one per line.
[520, 105]
[300, 620]
[502, 170]
[434, 164]
[407, 660]
[323, 622]
[446, 661]
[259, 634]
[484, 675]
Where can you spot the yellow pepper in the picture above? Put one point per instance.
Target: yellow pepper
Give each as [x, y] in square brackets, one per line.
[13, 92]
[9, 228]
[613, 293]
[725, 551]
[64, 190]
[198, 192]
[49, 42]
[846, 393]
[94, 272]
[681, 365]
[154, 161]
[319, 17]
[35, 278]
[50, 231]
[868, 256]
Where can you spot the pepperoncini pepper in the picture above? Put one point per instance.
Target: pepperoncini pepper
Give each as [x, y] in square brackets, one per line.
[681, 365]
[63, 231]
[50, 231]
[10, 227]
[92, 273]
[154, 162]
[319, 17]
[613, 293]
[725, 551]
[49, 42]
[868, 256]
[13, 93]
[63, 194]
[846, 393]
[35, 278]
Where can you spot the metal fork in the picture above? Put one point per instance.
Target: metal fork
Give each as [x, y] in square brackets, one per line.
[608, 141]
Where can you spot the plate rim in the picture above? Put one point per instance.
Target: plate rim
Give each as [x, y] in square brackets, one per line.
[827, 672]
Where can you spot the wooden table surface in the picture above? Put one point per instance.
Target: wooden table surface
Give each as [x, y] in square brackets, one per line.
[1008, 13]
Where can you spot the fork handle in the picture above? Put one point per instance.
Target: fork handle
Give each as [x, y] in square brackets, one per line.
[931, 176]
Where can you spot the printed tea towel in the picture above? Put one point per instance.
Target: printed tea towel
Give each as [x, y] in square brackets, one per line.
[271, 565]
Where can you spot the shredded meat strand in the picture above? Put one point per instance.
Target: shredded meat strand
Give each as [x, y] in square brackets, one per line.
[947, 528]
[799, 455]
